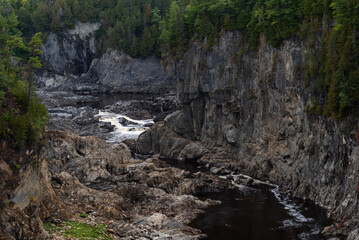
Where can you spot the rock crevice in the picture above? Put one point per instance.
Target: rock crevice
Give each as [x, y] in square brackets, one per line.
[249, 110]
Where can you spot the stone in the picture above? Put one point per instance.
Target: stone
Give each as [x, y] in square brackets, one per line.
[353, 235]
[157, 220]
[193, 151]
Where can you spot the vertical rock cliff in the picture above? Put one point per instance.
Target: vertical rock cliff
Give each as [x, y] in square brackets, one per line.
[71, 52]
[248, 110]
[73, 63]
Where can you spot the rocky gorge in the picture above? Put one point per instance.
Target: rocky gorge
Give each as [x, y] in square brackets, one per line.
[249, 113]
[236, 112]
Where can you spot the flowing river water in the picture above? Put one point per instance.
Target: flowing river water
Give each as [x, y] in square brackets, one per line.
[263, 213]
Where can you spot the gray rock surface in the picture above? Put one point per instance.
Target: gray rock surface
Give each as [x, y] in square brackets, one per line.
[121, 73]
[249, 111]
[71, 52]
[73, 63]
[73, 175]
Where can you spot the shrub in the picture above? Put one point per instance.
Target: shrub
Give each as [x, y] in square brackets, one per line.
[2, 98]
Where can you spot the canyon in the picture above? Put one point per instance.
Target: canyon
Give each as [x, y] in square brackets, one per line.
[235, 111]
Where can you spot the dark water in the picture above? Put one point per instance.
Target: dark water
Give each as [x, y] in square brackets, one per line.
[190, 166]
[107, 99]
[253, 214]
[257, 214]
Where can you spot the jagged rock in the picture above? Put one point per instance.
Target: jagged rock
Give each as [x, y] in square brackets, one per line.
[354, 235]
[193, 151]
[157, 220]
[76, 175]
[121, 73]
[161, 139]
[252, 116]
[71, 51]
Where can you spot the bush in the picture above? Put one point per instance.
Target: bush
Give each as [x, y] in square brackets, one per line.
[2, 98]
[24, 128]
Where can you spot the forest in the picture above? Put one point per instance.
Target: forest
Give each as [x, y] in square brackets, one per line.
[328, 28]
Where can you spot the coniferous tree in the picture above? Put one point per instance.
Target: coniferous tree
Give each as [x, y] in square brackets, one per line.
[33, 63]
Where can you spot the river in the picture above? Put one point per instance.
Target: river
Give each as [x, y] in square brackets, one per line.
[248, 213]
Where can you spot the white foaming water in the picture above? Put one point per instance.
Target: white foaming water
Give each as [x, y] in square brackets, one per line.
[294, 211]
[122, 132]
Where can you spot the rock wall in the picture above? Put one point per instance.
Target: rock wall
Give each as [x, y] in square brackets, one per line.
[249, 110]
[73, 63]
[71, 52]
[118, 72]
[71, 175]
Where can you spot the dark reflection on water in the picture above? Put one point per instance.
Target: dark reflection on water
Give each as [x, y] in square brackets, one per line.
[190, 166]
[257, 214]
[107, 99]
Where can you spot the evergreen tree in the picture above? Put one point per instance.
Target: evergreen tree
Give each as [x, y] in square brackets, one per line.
[33, 63]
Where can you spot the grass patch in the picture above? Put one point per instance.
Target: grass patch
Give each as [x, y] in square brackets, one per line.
[51, 228]
[79, 230]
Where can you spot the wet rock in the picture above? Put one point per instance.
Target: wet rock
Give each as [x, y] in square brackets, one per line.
[146, 108]
[107, 127]
[124, 121]
[252, 117]
[136, 198]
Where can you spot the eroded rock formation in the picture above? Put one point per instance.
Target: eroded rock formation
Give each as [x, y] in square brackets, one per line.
[74, 175]
[248, 110]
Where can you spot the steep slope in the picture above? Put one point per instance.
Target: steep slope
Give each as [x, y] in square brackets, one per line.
[74, 63]
[248, 111]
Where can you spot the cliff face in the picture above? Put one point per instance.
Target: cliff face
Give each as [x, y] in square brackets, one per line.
[71, 52]
[73, 63]
[252, 106]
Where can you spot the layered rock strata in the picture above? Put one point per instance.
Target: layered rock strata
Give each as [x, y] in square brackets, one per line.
[246, 111]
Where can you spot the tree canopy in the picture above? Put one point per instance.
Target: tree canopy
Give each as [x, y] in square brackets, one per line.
[158, 27]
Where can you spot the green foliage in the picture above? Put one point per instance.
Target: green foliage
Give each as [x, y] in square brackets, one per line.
[79, 230]
[16, 165]
[2, 98]
[22, 120]
[24, 129]
[156, 27]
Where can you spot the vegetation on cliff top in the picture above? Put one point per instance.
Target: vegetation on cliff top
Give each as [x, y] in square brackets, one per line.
[22, 115]
[146, 27]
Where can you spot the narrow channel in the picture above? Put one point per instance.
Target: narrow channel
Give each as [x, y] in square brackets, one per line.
[257, 214]
[249, 213]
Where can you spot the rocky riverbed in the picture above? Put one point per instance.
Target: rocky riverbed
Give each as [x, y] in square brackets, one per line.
[230, 116]
[98, 180]
[147, 186]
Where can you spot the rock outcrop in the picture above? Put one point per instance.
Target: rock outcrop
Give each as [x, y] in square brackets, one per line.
[73, 63]
[248, 109]
[86, 180]
[122, 73]
[71, 52]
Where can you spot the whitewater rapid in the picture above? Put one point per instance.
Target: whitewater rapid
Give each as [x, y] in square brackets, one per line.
[131, 130]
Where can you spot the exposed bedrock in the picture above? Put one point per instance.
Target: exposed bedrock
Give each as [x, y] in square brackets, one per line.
[71, 52]
[247, 110]
[73, 63]
[72, 175]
